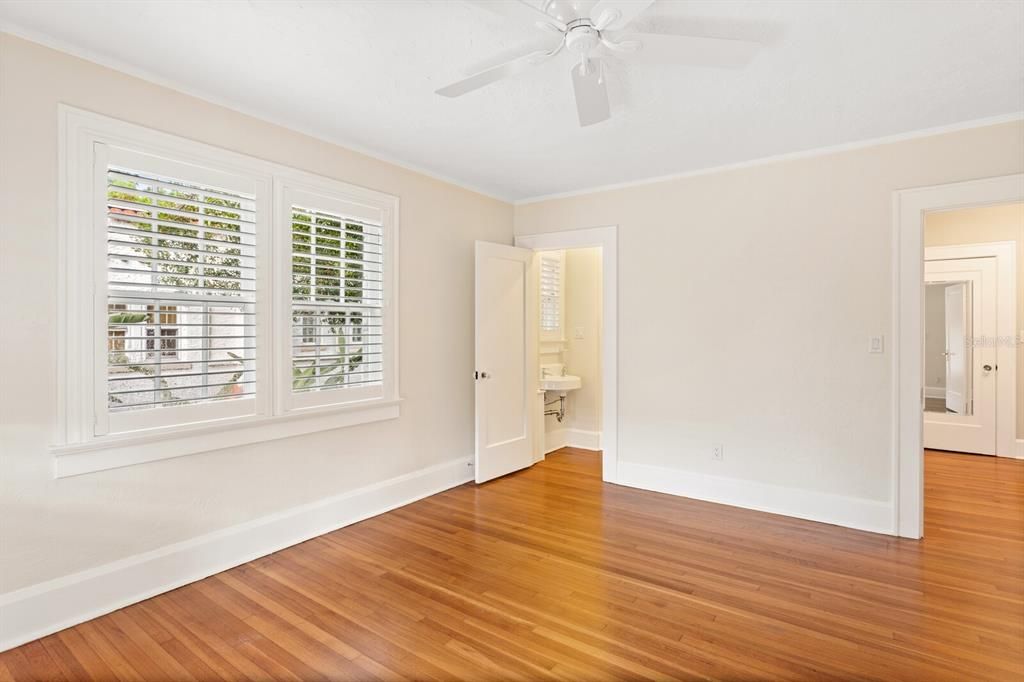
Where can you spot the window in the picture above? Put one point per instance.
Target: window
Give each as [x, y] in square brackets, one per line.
[337, 300]
[207, 290]
[551, 295]
[180, 290]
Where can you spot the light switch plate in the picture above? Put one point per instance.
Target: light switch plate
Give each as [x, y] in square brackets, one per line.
[578, 333]
[876, 344]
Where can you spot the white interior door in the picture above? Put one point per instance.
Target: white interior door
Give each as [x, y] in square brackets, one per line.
[957, 309]
[960, 385]
[506, 348]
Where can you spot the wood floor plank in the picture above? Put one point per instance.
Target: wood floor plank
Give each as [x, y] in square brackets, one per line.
[550, 573]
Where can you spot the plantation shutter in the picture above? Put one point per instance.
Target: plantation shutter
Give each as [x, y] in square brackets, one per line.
[181, 287]
[337, 277]
[551, 291]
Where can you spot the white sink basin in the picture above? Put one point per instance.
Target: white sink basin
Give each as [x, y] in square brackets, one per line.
[563, 383]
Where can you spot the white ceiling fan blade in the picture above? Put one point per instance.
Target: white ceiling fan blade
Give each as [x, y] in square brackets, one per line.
[496, 73]
[521, 11]
[690, 50]
[591, 92]
[617, 13]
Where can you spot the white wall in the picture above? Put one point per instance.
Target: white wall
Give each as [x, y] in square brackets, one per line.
[746, 301]
[51, 528]
[1003, 223]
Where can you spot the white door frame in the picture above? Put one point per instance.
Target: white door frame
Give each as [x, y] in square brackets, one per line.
[607, 239]
[1005, 254]
[909, 208]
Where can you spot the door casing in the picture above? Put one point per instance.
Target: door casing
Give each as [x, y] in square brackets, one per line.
[908, 211]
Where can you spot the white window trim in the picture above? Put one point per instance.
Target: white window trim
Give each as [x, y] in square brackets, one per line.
[291, 189]
[168, 419]
[77, 448]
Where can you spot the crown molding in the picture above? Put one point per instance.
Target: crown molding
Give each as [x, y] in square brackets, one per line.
[789, 156]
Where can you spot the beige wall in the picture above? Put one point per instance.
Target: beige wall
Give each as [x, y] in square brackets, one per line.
[50, 528]
[583, 356]
[1004, 223]
[746, 301]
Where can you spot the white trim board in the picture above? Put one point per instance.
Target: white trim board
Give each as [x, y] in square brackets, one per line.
[45, 608]
[557, 439]
[908, 213]
[790, 156]
[607, 239]
[852, 512]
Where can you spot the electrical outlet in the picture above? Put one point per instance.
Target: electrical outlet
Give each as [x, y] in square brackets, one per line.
[876, 344]
[578, 333]
[718, 452]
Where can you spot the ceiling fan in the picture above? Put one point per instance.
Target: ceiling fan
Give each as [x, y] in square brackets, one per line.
[589, 30]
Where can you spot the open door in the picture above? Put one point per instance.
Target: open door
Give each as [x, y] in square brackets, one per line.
[957, 306]
[506, 349]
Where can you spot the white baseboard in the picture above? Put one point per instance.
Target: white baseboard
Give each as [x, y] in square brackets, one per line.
[45, 608]
[571, 438]
[934, 392]
[852, 512]
[1020, 448]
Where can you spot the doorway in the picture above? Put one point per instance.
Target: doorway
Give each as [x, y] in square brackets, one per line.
[960, 358]
[509, 408]
[912, 210]
[569, 349]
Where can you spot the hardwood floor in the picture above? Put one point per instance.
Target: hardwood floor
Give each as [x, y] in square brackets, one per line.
[549, 573]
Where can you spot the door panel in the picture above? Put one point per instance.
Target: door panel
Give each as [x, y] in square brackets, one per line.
[505, 360]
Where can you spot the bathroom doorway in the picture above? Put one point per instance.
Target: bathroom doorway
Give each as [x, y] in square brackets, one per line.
[569, 349]
[577, 311]
[509, 395]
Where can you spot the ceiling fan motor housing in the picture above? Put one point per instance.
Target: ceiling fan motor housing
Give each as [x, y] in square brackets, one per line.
[581, 37]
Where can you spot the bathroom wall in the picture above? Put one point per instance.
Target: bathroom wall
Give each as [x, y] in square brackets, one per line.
[1002, 223]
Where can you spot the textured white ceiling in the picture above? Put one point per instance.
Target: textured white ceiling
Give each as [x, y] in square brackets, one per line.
[364, 73]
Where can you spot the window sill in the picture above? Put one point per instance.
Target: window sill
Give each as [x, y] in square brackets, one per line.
[111, 452]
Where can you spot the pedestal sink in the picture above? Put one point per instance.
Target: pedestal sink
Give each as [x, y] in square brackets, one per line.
[562, 383]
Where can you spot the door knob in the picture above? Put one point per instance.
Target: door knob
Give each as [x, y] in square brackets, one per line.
[485, 375]
[987, 368]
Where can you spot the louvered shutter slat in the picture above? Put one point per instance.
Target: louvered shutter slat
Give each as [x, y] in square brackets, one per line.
[337, 302]
[550, 292]
[181, 292]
